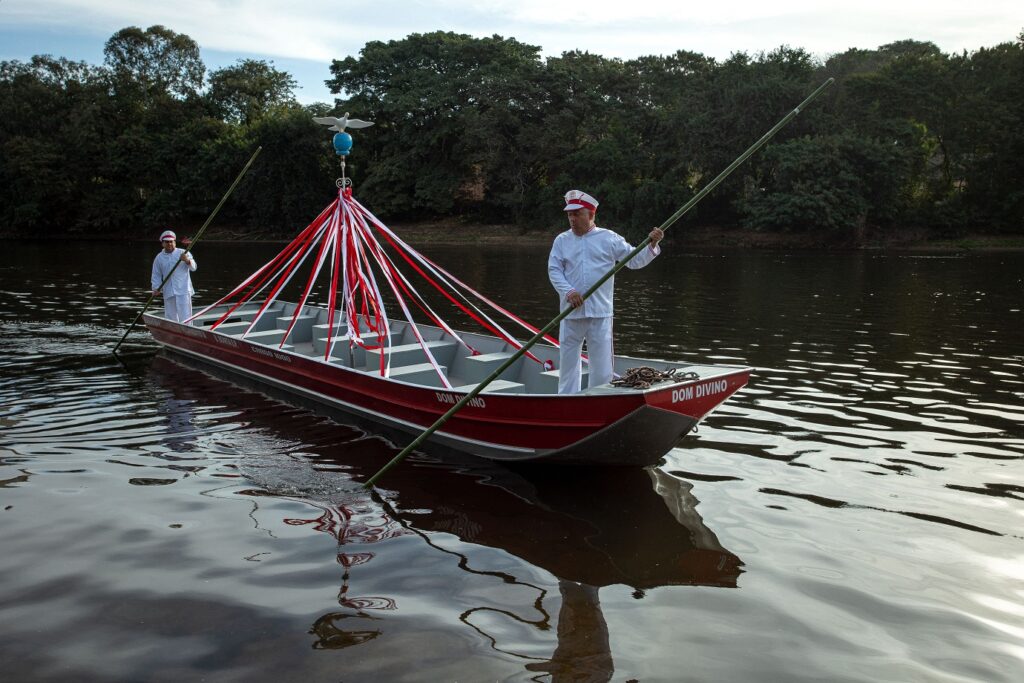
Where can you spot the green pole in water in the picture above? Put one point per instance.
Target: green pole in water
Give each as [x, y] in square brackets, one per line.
[191, 244]
[615, 269]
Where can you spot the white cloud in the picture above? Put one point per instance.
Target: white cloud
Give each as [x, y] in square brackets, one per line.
[320, 30]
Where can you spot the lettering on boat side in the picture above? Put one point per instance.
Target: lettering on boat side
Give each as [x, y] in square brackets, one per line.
[475, 402]
[226, 341]
[270, 354]
[193, 332]
[699, 390]
[682, 394]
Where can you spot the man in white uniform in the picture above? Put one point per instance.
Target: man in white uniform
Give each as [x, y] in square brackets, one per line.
[177, 290]
[579, 258]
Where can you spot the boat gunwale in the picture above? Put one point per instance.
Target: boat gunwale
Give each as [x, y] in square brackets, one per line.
[726, 370]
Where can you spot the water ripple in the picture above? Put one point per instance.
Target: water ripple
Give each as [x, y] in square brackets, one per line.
[860, 500]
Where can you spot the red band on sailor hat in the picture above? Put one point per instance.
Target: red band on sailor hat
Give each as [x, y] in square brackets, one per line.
[575, 199]
[168, 235]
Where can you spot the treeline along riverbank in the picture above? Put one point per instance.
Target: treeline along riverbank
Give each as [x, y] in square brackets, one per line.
[473, 131]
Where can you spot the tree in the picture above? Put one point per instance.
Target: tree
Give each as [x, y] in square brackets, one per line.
[51, 124]
[154, 62]
[840, 184]
[248, 90]
[449, 110]
[744, 97]
[294, 177]
[988, 140]
[483, 128]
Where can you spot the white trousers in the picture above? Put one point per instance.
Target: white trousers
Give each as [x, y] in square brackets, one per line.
[598, 334]
[178, 308]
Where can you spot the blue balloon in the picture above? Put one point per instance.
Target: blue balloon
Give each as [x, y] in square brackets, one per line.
[342, 143]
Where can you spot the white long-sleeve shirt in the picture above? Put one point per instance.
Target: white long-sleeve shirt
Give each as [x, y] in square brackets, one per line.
[576, 263]
[180, 282]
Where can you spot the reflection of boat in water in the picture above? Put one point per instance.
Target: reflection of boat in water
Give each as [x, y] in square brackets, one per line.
[588, 527]
[637, 527]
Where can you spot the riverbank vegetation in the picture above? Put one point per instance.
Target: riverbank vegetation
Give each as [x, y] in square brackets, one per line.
[486, 131]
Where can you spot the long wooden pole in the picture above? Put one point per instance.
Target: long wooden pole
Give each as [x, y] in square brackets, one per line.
[597, 285]
[191, 244]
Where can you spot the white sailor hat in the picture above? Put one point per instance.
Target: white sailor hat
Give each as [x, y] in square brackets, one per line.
[168, 235]
[577, 199]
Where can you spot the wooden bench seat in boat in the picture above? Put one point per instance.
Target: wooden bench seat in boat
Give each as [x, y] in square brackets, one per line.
[339, 335]
[237, 329]
[210, 318]
[547, 382]
[270, 337]
[470, 370]
[473, 369]
[243, 314]
[411, 354]
[320, 330]
[498, 386]
[340, 354]
[420, 373]
[496, 358]
[303, 330]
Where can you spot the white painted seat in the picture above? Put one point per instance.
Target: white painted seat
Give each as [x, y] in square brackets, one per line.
[411, 354]
[498, 386]
[420, 373]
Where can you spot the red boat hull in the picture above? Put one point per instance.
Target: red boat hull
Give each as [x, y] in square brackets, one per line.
[628, 427]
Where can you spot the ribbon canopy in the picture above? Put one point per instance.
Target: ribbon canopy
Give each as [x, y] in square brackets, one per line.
[347, 243]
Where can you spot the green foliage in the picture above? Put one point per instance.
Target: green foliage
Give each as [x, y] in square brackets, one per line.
[154, 62]
[832, 183]
[487, 129]
[51, 124]
[294, 178]
[989, 140]
[248, 90]
[449, 111]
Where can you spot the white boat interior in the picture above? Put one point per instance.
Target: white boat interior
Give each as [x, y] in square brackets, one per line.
[405, 356]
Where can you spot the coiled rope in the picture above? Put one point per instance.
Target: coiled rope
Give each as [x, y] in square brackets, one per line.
[643, 377]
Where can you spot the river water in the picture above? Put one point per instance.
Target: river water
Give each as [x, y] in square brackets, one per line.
[855, 514]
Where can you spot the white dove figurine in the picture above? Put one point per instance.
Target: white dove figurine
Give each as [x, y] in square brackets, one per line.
[341, 124]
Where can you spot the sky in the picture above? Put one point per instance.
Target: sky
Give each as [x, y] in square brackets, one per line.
[303, 36]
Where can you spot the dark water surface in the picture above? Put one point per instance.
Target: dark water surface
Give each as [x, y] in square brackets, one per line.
[855, 514]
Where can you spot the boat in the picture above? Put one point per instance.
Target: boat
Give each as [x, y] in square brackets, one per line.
[404, 375]
[518, 417]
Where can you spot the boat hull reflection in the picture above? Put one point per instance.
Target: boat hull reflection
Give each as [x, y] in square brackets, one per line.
[588, 527]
